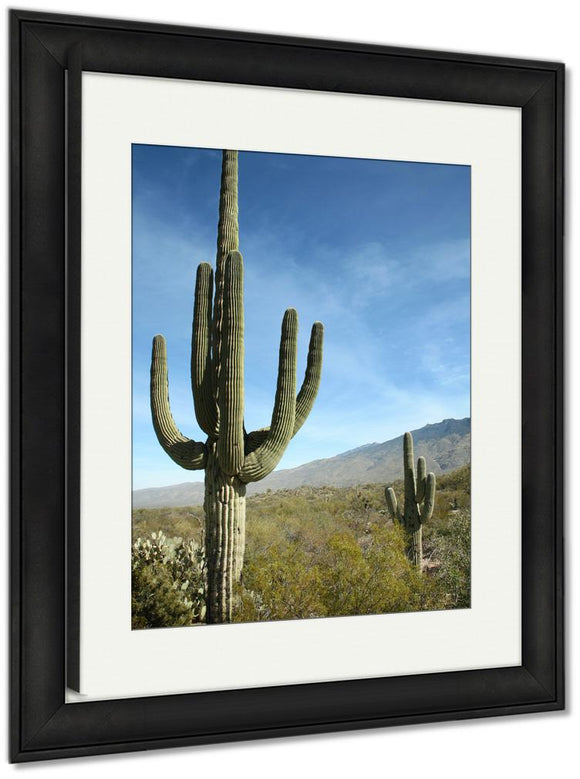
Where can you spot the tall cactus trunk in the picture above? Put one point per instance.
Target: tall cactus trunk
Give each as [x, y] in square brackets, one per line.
[411, 515]
[415, 546]
[225, 515]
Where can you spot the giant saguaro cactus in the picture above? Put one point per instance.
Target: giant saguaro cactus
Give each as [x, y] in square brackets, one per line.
[418, 504]
[230, 456]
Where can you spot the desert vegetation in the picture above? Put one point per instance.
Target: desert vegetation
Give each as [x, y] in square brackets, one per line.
[310, 552]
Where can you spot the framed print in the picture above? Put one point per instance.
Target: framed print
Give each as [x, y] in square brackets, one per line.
[320, 470]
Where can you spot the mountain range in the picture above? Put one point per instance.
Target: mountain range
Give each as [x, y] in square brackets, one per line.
[445, 445]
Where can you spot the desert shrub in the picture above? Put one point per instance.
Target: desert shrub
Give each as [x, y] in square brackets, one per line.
[458, 480]
[167, 582]
[281, 584]
[184, 522]
[156, 602]
[451, 547]
[337, 578]
[371, 578]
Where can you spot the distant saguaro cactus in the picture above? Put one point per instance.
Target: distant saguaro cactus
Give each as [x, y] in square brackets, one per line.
[418, 490]
[230, 456]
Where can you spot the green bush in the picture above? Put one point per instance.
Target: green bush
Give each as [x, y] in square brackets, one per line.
[310, 552]
[451, 546]
[167, 582]
[343, 577]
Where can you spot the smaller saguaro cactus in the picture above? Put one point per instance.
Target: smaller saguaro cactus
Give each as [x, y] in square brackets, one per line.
[418, 503]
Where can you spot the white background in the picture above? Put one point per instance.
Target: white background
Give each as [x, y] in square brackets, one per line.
[534, 745]
[120, 110]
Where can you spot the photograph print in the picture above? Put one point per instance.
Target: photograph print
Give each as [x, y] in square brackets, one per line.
[301, 386]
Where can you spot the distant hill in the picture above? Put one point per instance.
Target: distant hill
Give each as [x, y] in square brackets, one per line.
[445, 445]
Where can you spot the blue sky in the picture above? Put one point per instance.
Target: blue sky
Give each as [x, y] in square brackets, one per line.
[376, 250]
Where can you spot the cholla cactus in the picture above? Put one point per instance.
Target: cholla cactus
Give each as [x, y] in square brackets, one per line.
[419, 501]
[168, 581]
[230, 456]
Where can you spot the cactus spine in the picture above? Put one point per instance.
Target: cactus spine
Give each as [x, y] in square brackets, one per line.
[419, 501]
[230, 456]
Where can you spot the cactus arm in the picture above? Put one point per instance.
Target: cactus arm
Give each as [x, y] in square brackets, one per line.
[185, 452]
[266, 457]
[227, 241]
[308, 390]
[311, 383]
[392, 504]
[201, 366]
[230, 444]
[421, 477]
[429, 502]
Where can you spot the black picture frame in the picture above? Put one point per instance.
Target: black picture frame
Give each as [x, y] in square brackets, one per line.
[48, 54]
